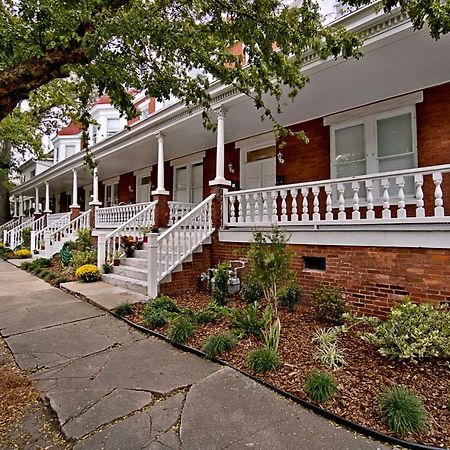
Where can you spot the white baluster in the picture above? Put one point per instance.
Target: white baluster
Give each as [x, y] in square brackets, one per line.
[256, 212]
[284, 216]
[401, 211]
[386, 199]
[341, 190]
[316, 214]
[370, 212]
[420, 210]
[265, 218]
[294, 215]
[248, 210]
[240, 211]
[305, 215]
[274, 195]
[438, 200]
[329, 203]
[232, 210]
[356, 215]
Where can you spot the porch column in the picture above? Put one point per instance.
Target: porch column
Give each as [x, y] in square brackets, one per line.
[95, 203]
[21, 205]
[47, 209]
[37, 211]
[15, 207]
[74, 207]
[160, 194]
[220, 150]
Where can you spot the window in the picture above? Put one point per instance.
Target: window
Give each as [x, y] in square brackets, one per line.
[32, 173]
[111, 193]
[189, 183]
[70, 150]
[94, 134]
[112, 126]
[376, 143]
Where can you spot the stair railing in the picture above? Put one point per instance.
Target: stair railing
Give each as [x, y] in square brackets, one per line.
[37, 237]
[13, 237]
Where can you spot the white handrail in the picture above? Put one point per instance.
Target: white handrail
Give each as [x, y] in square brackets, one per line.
[115, 216]
[37, 237]
[177, 210]
[180, 240]
[13, 237]
[109, 244]
[54, 240]
[390, 197]
[9, 226]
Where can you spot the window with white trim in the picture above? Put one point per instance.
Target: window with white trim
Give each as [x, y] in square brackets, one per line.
[375, 143]
[112, 126]
[111, 192]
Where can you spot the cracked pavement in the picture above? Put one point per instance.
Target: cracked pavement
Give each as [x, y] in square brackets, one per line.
[112, 387]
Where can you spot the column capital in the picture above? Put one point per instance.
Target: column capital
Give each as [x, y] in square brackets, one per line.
[160, 136]
[220, 111]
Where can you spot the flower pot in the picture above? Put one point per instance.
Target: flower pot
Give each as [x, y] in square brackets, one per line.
[145, 239]
[116, 262]
[129, 253]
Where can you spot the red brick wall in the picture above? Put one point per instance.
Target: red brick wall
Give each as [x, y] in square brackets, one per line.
[374, 278]
[127, 181]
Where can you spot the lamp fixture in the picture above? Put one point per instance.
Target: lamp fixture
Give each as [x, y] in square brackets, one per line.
[280, 158]
[231, 168]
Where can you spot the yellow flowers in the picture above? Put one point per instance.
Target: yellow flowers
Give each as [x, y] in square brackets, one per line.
[88, 273]
[22, 254]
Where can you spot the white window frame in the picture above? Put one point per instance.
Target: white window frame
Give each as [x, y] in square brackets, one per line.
[188, 166]
[111, 182]
[109, 132]
[140, 174]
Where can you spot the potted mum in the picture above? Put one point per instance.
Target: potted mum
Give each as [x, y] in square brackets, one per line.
[129, 246]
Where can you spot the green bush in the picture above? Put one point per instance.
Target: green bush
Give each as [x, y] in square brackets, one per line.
[26, 266]
[220, 284]
[215, 345]
[247, 320]
[49, 275]
[164, 303]
[290, 295]
[80, 258]
[412, 331]
[84, 239]
[263, 359]
[329, 303]
[42, 262]
[66, 252]
[320, 386]
[402, 410]
[210, 314]
[155, 318]
[124, 309]
[251, 290]
[182, 330]
[26, 237]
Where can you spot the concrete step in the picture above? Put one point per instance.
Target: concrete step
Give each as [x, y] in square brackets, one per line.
[131, 272]
[140, 263]
[128, 283]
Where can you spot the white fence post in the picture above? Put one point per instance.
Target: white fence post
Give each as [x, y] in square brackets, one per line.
[33, 242]
[152, 265]
[101, 251]
[47, 235]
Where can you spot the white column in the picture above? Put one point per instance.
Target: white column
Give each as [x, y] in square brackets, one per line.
[220, 152]
[47, 209]
[74, 189]
[21, 206]
[160, 182]
[36, 200]
[15, 206]
[95, 201]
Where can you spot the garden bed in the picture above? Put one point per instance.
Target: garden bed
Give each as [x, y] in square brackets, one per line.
[365, 375]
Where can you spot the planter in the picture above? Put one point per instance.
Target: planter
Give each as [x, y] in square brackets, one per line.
[145, 239]
[116, 262]
[129, 253]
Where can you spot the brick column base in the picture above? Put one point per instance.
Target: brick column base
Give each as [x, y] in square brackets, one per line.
[161, 210]
[37, 216]
[216, 210]
[74, 213]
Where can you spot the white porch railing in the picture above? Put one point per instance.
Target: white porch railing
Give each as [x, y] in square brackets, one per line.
[13, 237]
[177, 210]
[115, 216]
[54, 240]
[54, 223]
[178, 242]
[9, 225]
[109, 244]
[390, 197]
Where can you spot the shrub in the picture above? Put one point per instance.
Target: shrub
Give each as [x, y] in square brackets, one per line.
[84, 239]
[26, 237]
[155, 318]
[22, 254]
[66, 252]
[42, 262]
[323, 336]
[210, 314]
[215, 345]
[49, 275]
[182, 329]
[88, 273]
[80, 258]
[107, 268]
[320, 386]
[220, 284]
[402, 410]
[329, 303]
[263, 359]
[124, 309]
[163, 302]
[247, 320]
[290, 295]
[331, 355]
[251, 290]
[26, 266]
[412, 331]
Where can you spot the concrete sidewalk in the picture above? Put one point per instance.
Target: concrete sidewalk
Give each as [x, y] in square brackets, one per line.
[115, 388]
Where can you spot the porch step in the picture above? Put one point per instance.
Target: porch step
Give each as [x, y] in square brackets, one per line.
[139, 263]
[123, 281]
[131, 272]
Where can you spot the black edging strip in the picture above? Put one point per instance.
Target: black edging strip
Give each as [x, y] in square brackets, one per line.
[316, 409]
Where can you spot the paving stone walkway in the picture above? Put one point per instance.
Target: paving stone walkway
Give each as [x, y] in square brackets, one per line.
[112, 387]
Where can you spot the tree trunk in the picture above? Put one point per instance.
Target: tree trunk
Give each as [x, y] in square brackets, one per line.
[5, 161]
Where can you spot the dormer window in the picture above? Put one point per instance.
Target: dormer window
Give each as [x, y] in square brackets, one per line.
[112, 126]
[32, 173]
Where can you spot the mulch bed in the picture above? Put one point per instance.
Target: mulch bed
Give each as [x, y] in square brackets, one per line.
[361, 380]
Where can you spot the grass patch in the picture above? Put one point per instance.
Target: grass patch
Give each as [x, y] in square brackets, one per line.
[263, 359]
[320, 386]
[218, 344]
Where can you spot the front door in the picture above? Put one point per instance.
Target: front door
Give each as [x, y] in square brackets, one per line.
[143, 188]
[188, 183]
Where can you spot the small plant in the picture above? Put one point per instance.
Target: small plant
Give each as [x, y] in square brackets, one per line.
[26, 266]
[324, 336]
[263, 359]
[81, 257]
[331, 356]
[128, 244]
[163, 302]
[26, 237]
[107, 268]
[84, 239]
[290, 295]
[42, 262]
[182, 330]
[248, 321]
[320, 386]
[215, 345]
[412, 331]
[251, 290]
[22, 253]
[330, 303]
[145, 229]
[88, 273]
[66, 252]
[210, 314]
[155, 318]
[272, 335]
[124, 309]
[402, 410]
[220, 283]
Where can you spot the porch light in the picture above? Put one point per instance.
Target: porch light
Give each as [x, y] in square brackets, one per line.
[230, 168]
[280, 158]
